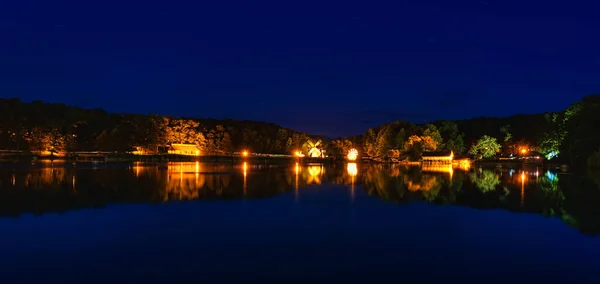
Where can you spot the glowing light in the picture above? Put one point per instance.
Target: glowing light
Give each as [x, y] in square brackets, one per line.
[245, 173]
[197, 167]
[314, 174]
[245, 153]
[551, 176]
[523, 151]
[315, 153]
[315, 149]
[298, 154]
[352, 155]
[522, 189]
[314, 171]
[352, 169]
[551, 155]
[297, 169]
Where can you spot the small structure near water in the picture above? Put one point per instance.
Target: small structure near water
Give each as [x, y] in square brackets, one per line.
[437, 158]
[184, 149]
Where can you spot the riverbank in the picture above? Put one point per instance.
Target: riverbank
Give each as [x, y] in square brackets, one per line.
[100, 157]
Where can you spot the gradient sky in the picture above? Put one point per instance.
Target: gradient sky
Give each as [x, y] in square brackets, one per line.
[326, 67]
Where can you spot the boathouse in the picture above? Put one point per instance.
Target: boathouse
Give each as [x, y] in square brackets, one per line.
[184, 149]
[437, 158]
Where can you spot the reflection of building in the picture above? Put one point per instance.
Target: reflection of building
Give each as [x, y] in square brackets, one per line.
[184, 181]
[444, 168]
[437, 157]
[184, 149]
[314, 174]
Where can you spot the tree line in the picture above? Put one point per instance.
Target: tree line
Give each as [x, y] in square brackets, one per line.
[572, 135]
[39, 126]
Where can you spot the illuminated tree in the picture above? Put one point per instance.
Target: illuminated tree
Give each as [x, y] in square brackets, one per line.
[505, 130]
[485, 147]
[429, 143]
[184, 131]
[416, 145]
[340, 147]
[370, 141]
[384, 139]
[218, 140]
[433, 133]
[508, 145]
[46, 140]
[400, 139]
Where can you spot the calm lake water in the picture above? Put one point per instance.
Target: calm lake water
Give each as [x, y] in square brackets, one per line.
[193, 222]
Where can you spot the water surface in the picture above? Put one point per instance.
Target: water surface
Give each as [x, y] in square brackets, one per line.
[191, 222]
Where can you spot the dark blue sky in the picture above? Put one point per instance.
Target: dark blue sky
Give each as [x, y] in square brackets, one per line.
[326, 67]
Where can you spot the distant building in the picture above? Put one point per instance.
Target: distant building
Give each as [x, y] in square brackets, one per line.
[437, 157]
[532, 157]
[184, 149]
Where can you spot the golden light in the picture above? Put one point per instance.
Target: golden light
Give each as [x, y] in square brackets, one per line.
[245, 153]
[298, 154]
[314, 171]
[315, 152]
[197, 153]
[451, 155]
[297, 169]
[245, 174]
[352, 169]
[523, 150]
[314, 175]
[352, 155]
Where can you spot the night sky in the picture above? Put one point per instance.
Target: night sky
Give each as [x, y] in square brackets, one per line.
[326, 67]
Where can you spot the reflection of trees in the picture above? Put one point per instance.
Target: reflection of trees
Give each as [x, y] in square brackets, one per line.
[485, 180]
[573, 198]
[549, 187]
[394, 183]
[428, 185]
[382, 181]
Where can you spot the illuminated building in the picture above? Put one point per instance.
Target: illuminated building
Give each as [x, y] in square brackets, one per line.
[184, 149]
[315, 149]
[437, 157]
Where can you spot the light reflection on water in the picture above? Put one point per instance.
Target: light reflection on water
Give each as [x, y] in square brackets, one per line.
[295, 221]
[38, 189]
